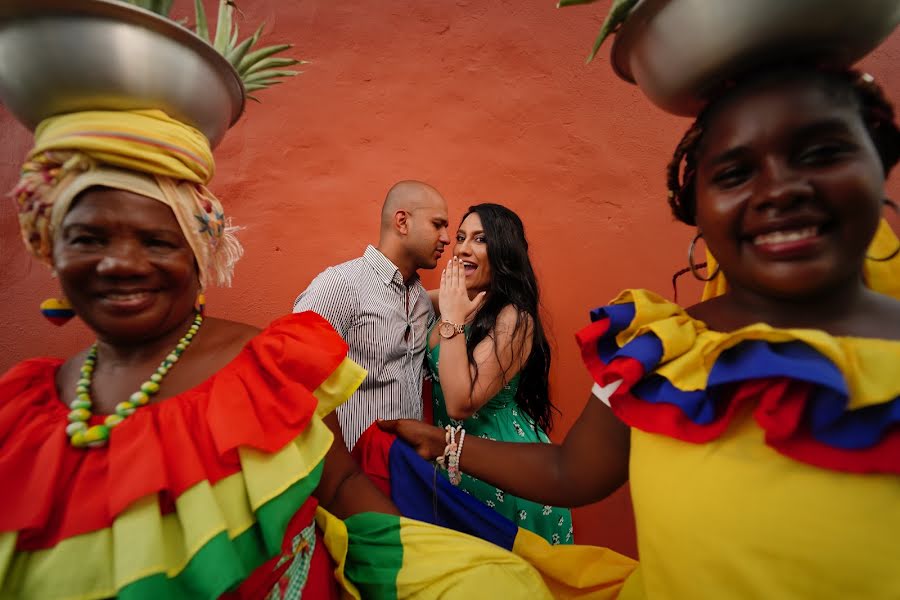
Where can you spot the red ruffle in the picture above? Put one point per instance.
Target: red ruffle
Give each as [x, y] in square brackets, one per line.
[261, 399]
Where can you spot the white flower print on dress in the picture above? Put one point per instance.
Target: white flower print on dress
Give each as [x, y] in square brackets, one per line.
[500, 495]
[561, 521]
[518, 429]
[490, 503]
[523, 515]
[554, 539]
[569, 535]
[546, 510]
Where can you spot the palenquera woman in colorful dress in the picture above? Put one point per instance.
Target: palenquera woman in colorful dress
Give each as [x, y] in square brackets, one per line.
[181, 455]
[760, 428]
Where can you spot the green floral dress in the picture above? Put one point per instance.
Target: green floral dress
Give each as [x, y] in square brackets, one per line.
[500, 419]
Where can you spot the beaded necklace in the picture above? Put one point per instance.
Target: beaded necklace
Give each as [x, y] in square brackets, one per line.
[83, 436]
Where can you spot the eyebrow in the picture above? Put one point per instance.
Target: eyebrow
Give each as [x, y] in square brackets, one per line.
[101, 229]
[825, 126]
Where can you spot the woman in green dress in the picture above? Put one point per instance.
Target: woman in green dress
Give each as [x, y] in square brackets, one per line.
[489, 356]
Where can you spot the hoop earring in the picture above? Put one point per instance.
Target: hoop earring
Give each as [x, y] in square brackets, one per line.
[695, 267]
[893, 254]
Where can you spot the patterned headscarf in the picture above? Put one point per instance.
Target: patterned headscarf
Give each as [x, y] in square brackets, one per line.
[145, 152]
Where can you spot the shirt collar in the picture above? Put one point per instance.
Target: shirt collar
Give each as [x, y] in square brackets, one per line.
[387, 271]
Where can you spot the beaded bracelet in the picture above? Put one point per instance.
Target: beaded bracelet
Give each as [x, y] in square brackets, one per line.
[452, 452]
[454, 474]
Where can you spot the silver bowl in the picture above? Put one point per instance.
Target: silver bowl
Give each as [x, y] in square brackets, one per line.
[61, 56]
[678, 50]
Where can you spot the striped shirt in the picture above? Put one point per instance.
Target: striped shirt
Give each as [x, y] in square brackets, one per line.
[385, 324]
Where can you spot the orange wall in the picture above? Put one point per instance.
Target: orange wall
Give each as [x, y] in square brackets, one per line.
[488, 101]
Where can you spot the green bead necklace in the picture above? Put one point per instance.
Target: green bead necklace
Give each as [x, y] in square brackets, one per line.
[83, 436]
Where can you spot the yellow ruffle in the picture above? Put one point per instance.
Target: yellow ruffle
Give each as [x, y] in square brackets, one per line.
[690, 349]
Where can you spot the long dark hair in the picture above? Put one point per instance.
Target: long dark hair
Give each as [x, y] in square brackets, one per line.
[513, 283]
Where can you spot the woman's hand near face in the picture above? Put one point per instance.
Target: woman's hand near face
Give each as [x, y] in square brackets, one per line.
[453, 297]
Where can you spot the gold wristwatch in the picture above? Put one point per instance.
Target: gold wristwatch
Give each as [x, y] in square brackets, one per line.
[448, 329]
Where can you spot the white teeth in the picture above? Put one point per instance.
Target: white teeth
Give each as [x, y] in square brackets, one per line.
[126, 297]
[782, 237]
[469, 265]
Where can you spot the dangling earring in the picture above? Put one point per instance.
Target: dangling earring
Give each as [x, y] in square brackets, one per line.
[695, 267]
[57, 310]
[201, 303]
[896, 251]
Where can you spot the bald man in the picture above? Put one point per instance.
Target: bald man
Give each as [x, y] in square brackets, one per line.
[380, 308]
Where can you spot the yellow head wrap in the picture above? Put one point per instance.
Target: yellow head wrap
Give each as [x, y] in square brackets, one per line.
[881, 276]
[145, 152]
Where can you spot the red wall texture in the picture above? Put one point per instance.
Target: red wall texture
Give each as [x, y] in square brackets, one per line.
[488, 101]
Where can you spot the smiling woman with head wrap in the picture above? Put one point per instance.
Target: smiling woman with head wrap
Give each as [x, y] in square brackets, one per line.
[144, 152]
[201, 442]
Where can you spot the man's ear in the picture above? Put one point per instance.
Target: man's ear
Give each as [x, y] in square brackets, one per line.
[401, 222]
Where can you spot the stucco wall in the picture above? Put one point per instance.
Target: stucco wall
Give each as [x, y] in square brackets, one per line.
[488, 101]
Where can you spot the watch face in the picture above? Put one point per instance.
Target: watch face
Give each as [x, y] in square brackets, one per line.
[447, 330]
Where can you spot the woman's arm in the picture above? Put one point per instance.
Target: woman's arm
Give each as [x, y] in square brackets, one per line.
[590, 464]
[344, 490]
[499, 356]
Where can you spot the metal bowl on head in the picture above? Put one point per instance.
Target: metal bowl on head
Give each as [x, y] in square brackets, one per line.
[678, 50]
[59, 56]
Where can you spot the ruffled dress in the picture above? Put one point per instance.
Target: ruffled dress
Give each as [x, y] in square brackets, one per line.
[205, 493]
[765, 463]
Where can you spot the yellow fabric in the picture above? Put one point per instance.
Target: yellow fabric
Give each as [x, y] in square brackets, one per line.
[575, 572]
[881, 276]
[334, 534]
[166, 542]
[339, 386]
[147, 141]
[269, 475]
[144, 152]
[732, 518]
[690, 349]
[442, 563]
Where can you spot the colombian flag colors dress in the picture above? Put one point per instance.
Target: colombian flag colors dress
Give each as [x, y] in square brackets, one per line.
[764, 462]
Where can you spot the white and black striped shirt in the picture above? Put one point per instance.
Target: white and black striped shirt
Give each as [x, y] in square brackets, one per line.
[385, 324]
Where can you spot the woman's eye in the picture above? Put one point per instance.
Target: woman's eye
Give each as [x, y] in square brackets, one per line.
[822, 154]
[160, 243]
[460, 237]
[730, 177]
[480, 239]
[85, 240]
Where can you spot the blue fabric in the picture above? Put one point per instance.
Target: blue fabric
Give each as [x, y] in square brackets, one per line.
[423, 494]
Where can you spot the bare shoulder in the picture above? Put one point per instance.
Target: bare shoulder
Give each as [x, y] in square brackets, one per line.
[511, 319]
[228, 337]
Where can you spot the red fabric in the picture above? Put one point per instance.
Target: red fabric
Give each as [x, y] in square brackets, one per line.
[320, 581]
[372, 454]
[780, 406]
[261, 399]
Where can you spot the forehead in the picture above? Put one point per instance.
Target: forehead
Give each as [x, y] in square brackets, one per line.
[778, 108]
[471, 222]
[112, 207]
